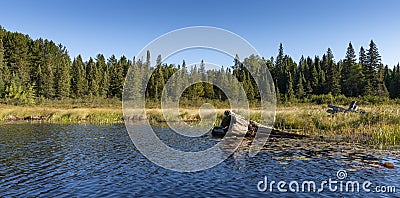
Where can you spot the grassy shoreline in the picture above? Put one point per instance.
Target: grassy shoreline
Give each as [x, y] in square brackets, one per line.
[380, 125]
[62, 115]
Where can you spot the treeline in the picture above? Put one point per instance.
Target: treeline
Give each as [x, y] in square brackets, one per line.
[32, 69]
[35, 69]
[349, 77]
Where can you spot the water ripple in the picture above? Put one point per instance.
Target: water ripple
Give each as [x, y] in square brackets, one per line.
[101, 161]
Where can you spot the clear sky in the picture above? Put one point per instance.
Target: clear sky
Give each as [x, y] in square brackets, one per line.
[124, 27]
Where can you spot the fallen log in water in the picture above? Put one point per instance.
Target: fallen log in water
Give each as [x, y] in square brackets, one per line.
[14, 118]
[253, 128]
[279, 134]
[35, 118]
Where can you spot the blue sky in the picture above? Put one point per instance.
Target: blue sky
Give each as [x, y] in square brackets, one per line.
[125, 27]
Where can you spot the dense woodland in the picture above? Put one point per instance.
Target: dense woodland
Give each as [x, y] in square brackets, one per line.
[40, 69]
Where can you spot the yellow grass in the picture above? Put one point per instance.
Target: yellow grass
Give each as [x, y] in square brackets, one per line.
[380, 124]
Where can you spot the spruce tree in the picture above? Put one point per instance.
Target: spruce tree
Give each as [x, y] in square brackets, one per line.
[387, 76]
[196, 90]
[16, 53]
[362, 57]
[208, 88]
[148, 62]
[280, 70]
[381, 89]
[332, 74]
[348, 64]
[78, 78]
[5, 76]
[313, 76]
[290, 92]
[373, 63]
[300, 93]
[158, 79]
[103, 69]
[184, 79]
[48, 80]
[37, 60]
[249, 88]
[321, 76]
[116, 77]
[304, 76]
[366, 81]
[132, 88]
[92, 77]
[145, 70]
[394, 88]
[63, 77]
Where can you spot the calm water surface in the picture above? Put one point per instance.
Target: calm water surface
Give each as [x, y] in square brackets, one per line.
[52, 160]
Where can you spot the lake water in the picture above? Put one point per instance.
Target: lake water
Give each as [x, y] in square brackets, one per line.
[53, 160]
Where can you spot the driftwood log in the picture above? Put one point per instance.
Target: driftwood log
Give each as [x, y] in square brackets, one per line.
[352, 108]
[281, 134]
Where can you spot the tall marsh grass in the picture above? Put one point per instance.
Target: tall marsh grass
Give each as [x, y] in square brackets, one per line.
[380, 125]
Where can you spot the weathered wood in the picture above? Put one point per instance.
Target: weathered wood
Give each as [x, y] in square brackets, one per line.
[251, 128]
[352, 108]
[281, 134]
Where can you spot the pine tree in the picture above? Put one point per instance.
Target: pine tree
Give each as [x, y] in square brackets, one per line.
[48, 80]
[104, 76]
[373, 63]
[145, 70]
[348, 65]
[235, 89]
[208, 88]
[249, 88]
[37, 61]
[321, 76]
[332, 75]
[132, 88]
[290, 92]
[116, 77]
[313, 76]
[63, 77]
[92, 77]
[159, 83]
[16, 54]
[148, 62]
[39, 81]
[278, 94]
[356, 80]
[158, 60]
[268, 90]
[366, 81]
[184, 79]
[300, 93]
[387, 76]
[381, 89]
[5, 75]
[78, 78]
[394, 88]
[238, 69]
[196, 90]
[271, 67]
[304, 77]
[362, 57]
[280, 71]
